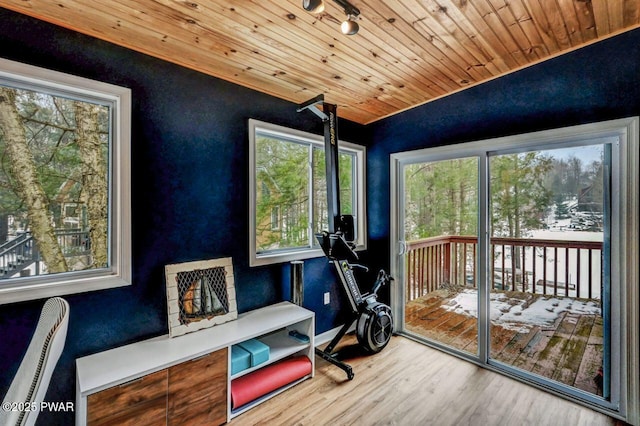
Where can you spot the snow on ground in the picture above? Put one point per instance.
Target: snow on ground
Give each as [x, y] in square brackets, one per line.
[520, 315]
[565, 235]
[589, 263]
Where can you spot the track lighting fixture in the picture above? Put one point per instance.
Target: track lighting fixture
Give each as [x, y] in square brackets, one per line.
[349, 26]
[313, 6]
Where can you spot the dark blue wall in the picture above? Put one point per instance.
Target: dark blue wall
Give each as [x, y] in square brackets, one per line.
[596, 83]
[189, 196]
[189, 171]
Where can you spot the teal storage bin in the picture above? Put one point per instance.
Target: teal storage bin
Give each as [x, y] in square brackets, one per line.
[240, 359]
[259, 351]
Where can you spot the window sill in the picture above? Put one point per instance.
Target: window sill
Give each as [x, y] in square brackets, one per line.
[289, 256]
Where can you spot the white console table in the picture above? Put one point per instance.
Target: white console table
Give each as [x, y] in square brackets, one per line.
[114, 369]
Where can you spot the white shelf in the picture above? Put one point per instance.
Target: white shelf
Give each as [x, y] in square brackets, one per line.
[270, 324]
[281, 345]
[248, 406]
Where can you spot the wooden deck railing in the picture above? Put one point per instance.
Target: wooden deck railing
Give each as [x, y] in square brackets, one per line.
[554, 267]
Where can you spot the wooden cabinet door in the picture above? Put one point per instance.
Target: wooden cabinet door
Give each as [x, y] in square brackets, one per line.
[139, 402]
[198, 391]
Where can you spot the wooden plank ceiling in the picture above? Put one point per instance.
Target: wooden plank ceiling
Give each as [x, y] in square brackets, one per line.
[406, 53]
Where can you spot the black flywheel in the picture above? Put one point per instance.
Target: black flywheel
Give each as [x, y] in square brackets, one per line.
[374, 328]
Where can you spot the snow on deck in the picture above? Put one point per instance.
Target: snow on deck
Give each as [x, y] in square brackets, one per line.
[522, 314]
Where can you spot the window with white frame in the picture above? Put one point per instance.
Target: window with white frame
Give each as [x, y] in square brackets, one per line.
[288, 195]
[64, 183]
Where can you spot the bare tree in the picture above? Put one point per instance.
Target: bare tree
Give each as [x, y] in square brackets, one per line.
[27, 185]
[94, 178]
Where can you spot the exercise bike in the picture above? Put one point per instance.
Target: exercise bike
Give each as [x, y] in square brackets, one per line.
[374, 322]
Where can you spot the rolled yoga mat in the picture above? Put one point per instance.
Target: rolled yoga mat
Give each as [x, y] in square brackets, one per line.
[260, 382]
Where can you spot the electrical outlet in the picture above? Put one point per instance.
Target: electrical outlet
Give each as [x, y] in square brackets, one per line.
[327, 298]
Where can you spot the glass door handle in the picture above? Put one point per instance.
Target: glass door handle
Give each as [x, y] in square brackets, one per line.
[402, 248]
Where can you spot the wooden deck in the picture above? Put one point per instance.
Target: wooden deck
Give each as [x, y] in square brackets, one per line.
[569, 350]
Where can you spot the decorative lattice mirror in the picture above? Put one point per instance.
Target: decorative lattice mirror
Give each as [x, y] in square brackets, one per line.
[200, 294]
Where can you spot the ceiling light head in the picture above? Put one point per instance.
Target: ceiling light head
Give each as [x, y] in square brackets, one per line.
[313, 6]
[350, 26]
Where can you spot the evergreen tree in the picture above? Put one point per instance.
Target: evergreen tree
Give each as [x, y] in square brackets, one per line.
[441, 198]
[519, 198]
[562, 212]
[282, 214]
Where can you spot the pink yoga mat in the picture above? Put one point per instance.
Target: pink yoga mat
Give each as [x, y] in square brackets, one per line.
[260, 382]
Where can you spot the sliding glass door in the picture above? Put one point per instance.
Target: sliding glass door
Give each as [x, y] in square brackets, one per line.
[548, 269]
[503, 255]
[440, 231]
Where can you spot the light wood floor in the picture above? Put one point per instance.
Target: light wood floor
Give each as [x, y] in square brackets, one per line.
[411, 384]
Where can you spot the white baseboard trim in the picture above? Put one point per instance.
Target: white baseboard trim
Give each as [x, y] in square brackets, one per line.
[326, 337]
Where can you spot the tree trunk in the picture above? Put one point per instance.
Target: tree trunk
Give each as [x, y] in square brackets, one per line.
[27, 185]
[94, 179]
[4, 227]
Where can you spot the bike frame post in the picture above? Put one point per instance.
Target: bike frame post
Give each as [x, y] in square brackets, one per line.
[329, 117]
[331, 165]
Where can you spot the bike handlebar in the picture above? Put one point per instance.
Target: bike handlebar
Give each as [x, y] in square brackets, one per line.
[382, 279]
